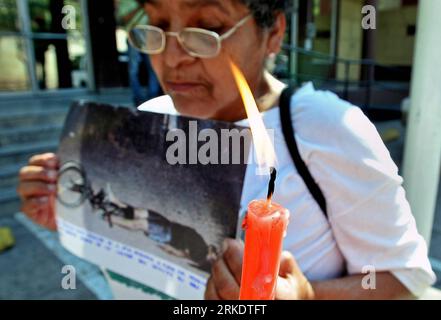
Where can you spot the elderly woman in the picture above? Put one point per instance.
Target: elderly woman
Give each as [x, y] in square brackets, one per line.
[369, 225]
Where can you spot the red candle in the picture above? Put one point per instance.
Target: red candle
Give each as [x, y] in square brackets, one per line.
[265, 226]
[265, 222]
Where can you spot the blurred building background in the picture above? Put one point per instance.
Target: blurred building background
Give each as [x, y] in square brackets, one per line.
[55, 51]
[38, 54]
[55, 45]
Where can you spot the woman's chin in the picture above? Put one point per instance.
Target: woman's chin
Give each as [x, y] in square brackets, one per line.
[191, 107]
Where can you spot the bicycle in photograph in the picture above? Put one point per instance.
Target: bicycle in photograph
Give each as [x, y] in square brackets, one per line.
[74, 188]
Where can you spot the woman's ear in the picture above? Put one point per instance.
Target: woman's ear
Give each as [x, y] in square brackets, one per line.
[276, 34]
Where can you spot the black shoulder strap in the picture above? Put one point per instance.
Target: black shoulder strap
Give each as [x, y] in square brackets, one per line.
[288, 133]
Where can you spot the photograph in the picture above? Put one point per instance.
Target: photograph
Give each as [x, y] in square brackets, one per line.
[115, 181]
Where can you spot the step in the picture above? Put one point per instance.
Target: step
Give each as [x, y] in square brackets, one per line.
[62, 101]
[24, 119]
[35, 104]
[9, 175]
[9, 201]
[29, 134]
[19, 153]
[7, 194]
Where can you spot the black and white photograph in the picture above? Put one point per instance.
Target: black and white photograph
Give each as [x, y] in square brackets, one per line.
[115, 181]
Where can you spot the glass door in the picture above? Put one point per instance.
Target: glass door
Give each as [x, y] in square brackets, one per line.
[43, 46]
[318, 37]
[14, 62]
[59, 47]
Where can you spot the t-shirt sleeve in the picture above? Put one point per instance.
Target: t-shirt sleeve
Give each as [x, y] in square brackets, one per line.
[368, 211]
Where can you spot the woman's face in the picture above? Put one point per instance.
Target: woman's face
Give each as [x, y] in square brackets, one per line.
[205, 88]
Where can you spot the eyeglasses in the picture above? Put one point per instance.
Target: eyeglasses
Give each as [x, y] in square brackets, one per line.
[197, 42]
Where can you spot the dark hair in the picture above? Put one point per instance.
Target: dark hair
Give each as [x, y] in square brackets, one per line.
[265, 11]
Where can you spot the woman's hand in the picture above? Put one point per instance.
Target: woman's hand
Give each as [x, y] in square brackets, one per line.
[226, 272]
[292, 283]
[37, 189]
[224, 282]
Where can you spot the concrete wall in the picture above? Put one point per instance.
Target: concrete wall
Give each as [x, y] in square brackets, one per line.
[393, 45]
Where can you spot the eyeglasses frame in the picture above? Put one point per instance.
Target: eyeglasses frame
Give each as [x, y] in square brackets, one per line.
[164, 34]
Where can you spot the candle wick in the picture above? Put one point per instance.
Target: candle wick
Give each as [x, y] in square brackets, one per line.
[271, 185]
[268, 203]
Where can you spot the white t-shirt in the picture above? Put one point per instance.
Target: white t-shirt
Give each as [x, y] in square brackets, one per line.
[369, 223]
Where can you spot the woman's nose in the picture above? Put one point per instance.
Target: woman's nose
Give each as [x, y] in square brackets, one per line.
[174, 54]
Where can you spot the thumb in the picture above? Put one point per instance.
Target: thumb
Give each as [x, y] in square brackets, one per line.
[292, 283]
[288, 264]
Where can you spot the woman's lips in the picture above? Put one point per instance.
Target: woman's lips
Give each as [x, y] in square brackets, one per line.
[182, 87]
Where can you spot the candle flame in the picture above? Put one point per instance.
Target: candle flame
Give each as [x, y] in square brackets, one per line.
[264, 149]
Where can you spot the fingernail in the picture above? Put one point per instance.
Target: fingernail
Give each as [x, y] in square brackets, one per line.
[51, 187]
[52, 174]
[43, 199]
